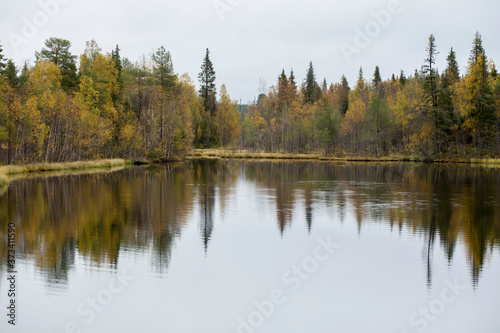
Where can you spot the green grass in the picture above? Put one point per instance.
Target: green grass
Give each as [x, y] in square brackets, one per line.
[11, 170]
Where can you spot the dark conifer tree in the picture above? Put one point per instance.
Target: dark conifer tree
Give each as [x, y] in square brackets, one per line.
[208, 93]
[292, 79]
[115, 55]
[312, 91]
[345, 95]
[2, 60]
[402, 78]
[430, 84]
[10, 73]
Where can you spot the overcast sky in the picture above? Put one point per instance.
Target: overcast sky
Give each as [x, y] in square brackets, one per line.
[251, 40]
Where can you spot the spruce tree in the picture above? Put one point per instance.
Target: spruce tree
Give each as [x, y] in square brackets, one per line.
[378, 84]
[312, 91]
[2, 60]
[282, 89]
[324, 87]
[360, 84]
[494, 72]
[446, 114]
[207, 84]
[115, 56]
[452, 70]
[208, 94]
[292, 79]
[23, 78]
[345, 95]
[482, 114]
[402, 78]
[10, 73]
[376, 77]
[430, 83]
[477, 50]
[282, 77]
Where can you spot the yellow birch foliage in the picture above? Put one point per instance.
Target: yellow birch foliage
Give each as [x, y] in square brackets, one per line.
[226, 119]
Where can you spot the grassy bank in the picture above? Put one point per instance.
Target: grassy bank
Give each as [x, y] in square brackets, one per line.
[244, 154]
[486, 161]
[8, 171]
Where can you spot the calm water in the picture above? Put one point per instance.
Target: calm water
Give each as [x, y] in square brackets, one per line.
[272, 247]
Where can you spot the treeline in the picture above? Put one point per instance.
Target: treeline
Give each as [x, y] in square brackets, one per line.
[105, 106]
[425, 115]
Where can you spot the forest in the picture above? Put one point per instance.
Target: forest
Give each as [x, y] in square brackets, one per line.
[102, 105]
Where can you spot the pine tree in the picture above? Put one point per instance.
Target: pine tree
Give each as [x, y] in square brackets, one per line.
[163, 68]
[57, 51]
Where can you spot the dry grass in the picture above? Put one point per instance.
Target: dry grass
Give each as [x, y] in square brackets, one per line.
[8, 171]
[245, 154]
[490, 162]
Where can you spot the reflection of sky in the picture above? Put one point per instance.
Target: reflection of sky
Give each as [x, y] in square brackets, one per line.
[372, 283]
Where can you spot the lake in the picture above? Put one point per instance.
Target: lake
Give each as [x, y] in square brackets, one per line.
[255, 246]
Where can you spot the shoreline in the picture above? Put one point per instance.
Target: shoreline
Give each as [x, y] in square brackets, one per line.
[239, 154]
[10, 172]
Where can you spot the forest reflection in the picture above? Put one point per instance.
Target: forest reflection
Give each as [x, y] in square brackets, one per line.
[97, 216]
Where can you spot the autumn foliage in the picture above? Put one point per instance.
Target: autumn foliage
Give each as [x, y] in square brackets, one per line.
[109, 106]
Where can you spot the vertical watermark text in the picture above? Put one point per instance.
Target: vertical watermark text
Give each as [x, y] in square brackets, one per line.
[11, 274]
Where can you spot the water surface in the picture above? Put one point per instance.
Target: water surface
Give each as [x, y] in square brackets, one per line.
[242, 246]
